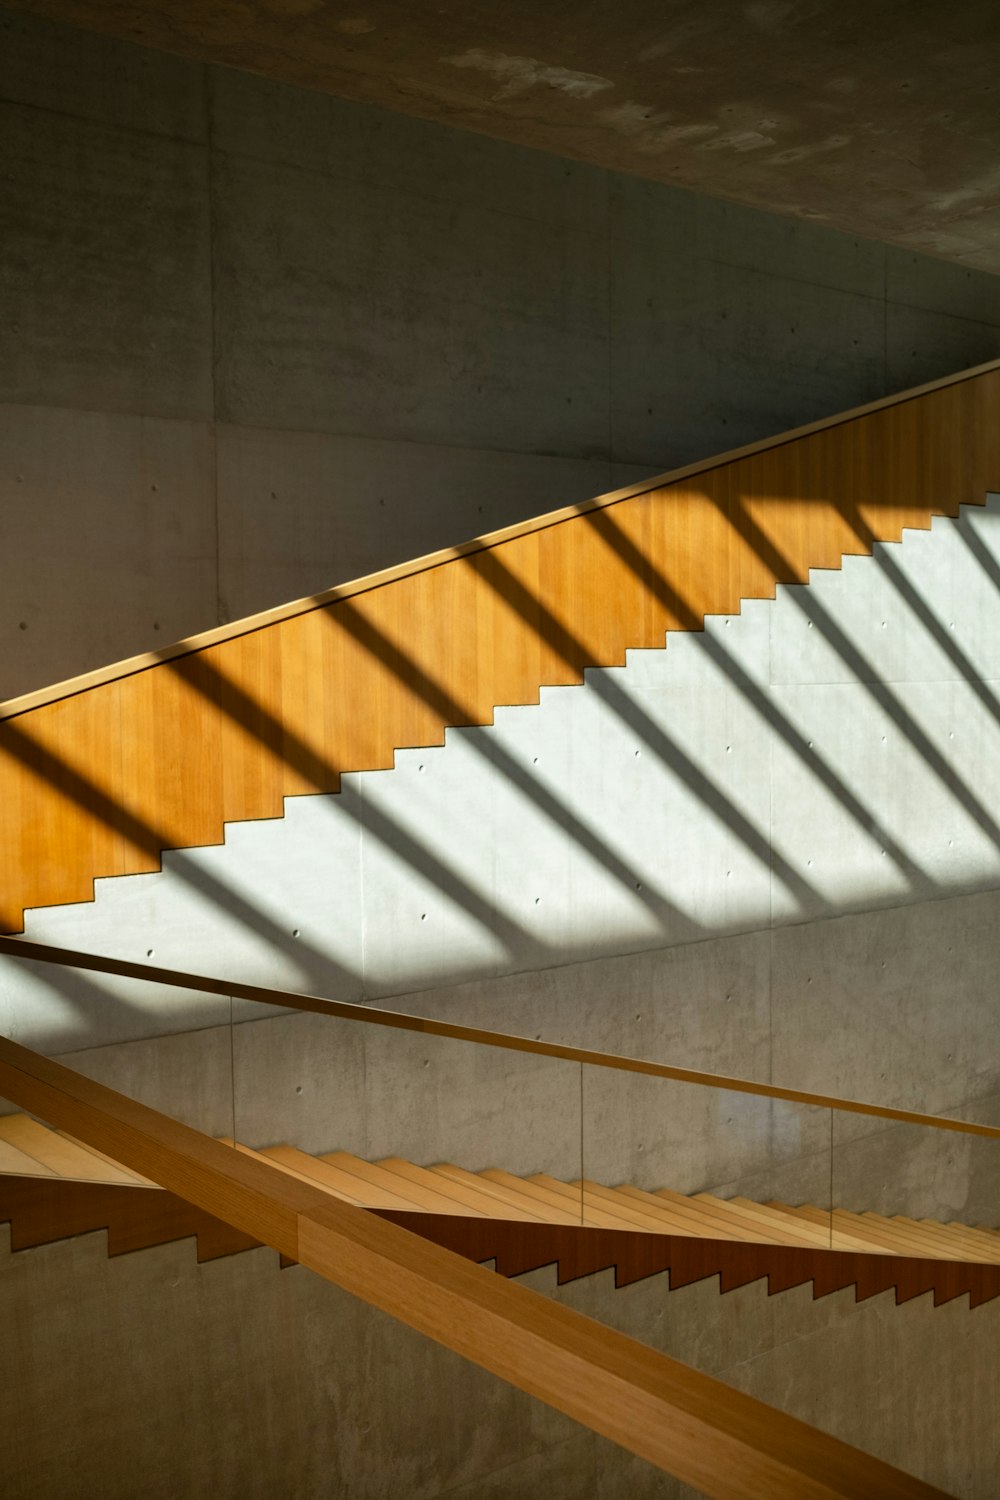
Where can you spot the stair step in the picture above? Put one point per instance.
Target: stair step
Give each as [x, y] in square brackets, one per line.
[715, 1218]
[409, 1195]
[476, 1200]
[596, 1209]
[135, 1177]
[345, 1185]
[681, 1217]
[30, 1149]
[515, 1205]
[979, 1242]
[58, 1154]
[817, 1230]
[634, 1210]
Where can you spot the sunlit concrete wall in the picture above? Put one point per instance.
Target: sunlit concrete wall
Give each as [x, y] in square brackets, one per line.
[258, 341]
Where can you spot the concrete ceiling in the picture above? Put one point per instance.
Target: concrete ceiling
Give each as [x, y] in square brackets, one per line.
[880, 118]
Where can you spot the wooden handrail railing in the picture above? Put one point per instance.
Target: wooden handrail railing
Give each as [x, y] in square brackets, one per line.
[707, 1434]
[12, 707]
[100, 775]
[370, 1015]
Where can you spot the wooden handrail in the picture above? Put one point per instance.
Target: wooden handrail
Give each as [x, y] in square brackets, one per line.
[722, 1442]
[12, 707]
[22, 948]
[161, 753]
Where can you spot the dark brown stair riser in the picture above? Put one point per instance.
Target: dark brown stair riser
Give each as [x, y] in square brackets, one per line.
[41, 1211]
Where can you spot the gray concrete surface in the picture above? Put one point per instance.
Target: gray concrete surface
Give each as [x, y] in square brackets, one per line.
[399, 334]
[150, 1374]
[876, 118]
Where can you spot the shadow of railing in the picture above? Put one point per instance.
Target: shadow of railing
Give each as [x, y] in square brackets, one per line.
[554, 808]
[153, 841]
[864, 673]
[573, 652]
[273, 735]
[865, 817]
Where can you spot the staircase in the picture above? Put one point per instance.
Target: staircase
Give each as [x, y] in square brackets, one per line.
[205, 741]
[52, 1187]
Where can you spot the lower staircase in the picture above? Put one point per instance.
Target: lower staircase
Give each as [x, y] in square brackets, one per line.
[52, 1186]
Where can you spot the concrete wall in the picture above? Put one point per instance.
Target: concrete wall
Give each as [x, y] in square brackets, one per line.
[150, 1374]
[258, 341]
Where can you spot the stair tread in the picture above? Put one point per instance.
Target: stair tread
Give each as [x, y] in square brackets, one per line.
[16, 1163]
[475, 1199]
[988, 1242]
[636, 1211]
[136, 1177]
[741, 1214]
[554, 1208]
[815, 1226]
[29, 1148]
[899, 1237]
[745, 1216]
[520, 1203]
[686, 1215]
[62, 1157]
[583, 1207]
[411, 1195]
[342, 1184]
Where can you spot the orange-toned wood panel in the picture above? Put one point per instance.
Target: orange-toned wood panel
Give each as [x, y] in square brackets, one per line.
[100, 782]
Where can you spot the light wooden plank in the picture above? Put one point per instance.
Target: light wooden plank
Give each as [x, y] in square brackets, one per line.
[19, 1164]
[410, 1195]
[474, 1199]
[771, 1220]
[133, 1177]
[345, 1185]
[843, 1237]
[596, 1210]
[713, 1217]
[972, 1243]
[633, 1210]
[518, 1202]
[60, 1155]
[679, 1219]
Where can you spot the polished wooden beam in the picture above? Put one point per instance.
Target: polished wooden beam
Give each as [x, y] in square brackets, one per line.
[722, 1442]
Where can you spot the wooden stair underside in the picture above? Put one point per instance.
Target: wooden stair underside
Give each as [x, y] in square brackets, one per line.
[41, 1211]
[52, 1187]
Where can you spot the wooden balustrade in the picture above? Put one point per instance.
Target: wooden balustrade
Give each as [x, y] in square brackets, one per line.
[100, 774]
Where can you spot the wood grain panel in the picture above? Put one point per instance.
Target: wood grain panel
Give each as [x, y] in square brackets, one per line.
[709, 1435]
[97, 777]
